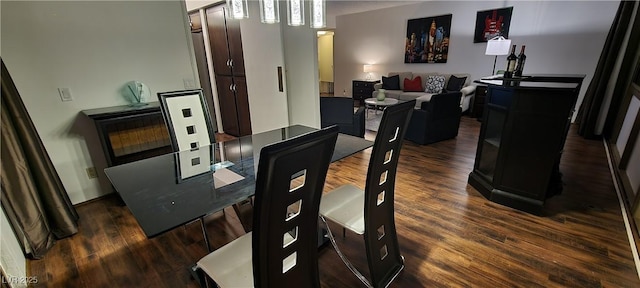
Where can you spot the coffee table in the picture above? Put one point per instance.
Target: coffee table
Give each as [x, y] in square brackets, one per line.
[378, 105]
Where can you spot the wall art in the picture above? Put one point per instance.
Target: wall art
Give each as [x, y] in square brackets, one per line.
[427, 39]
[492, 23]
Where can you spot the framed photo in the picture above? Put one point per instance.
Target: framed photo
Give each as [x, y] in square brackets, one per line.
[492, 23]
[427, 39]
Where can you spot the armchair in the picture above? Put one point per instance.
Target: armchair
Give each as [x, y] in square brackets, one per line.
[436, 120]
[339, 111]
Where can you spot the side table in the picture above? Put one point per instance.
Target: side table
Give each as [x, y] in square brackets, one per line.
[378, 105]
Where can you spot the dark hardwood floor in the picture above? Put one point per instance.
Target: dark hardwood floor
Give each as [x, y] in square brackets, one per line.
[449, 234]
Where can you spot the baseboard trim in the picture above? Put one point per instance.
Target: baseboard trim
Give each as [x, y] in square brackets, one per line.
[629, 222]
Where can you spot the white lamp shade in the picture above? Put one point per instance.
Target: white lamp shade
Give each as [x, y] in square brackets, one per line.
[367, 68]
[498, 46]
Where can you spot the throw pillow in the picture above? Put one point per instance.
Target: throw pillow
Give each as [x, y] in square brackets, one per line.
[391, 83]
[435, 84]
[455, 83]
[414, 85]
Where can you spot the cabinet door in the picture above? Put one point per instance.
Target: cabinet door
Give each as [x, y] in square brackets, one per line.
[218, 40]
[228, 106]
[201, 63]
[234, 40]
[242, 105]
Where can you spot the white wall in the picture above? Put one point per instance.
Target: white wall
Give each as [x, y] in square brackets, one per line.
[263, 53]
[561, 37]
[93, 48]
[303, 90]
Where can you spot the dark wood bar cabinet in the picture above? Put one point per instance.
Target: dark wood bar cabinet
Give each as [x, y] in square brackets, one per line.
[524, 127]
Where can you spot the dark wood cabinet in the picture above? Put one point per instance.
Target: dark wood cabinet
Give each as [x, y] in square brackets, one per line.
[524, 126]
[362, 89]
[201, 62]
[228, 64]
[478, 101]
[130, 133]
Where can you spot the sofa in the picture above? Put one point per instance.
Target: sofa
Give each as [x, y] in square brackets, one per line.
[339, 111]
[436, 120]
[400, 92]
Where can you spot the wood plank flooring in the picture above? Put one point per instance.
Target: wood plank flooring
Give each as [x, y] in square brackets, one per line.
[449, 234]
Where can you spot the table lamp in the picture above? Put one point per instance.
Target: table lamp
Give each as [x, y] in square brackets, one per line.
[368, 68]
[497, 46]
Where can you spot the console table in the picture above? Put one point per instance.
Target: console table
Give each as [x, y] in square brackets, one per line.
[524, 127]
[131, 133]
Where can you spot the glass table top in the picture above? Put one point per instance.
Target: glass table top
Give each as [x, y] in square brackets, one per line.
[170, 190]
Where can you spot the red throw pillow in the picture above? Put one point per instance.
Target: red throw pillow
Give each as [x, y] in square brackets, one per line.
[414, 85]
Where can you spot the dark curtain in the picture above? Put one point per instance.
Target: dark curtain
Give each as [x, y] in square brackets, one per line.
[593, 99]
[33, 196]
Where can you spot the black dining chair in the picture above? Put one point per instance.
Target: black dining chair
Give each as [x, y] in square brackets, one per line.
[370, 212]
[190, 127]
[281, 251]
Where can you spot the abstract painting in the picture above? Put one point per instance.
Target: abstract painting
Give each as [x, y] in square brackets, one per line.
[427, 39]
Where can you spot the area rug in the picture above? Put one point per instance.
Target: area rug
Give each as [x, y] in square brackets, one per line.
[372, 120]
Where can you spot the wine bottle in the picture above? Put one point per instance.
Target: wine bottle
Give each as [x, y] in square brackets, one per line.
[520, 63]
[511, 63]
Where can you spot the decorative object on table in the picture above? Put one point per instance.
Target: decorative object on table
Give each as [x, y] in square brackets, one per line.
[427, 39]
[380, 95]
[492, 23]
[497, 46]
[367, 68]
[520, 63]
[136, 92]
[511, 63]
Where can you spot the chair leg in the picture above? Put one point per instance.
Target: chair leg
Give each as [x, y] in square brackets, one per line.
[344, 259]
[199, 276]
[244, 210]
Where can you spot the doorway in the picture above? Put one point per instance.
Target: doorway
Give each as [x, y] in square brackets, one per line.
[325, 62]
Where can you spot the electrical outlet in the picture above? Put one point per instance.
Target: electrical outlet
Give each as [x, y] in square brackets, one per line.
[91, 172]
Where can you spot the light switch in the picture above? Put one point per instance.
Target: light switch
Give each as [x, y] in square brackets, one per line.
[65, 94]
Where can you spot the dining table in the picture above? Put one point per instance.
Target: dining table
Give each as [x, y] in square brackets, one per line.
[171, 190]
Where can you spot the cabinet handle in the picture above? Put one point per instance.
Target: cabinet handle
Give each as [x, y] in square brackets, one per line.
[230, 87]
[228, 65]
[235, 88]
[231, 63]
